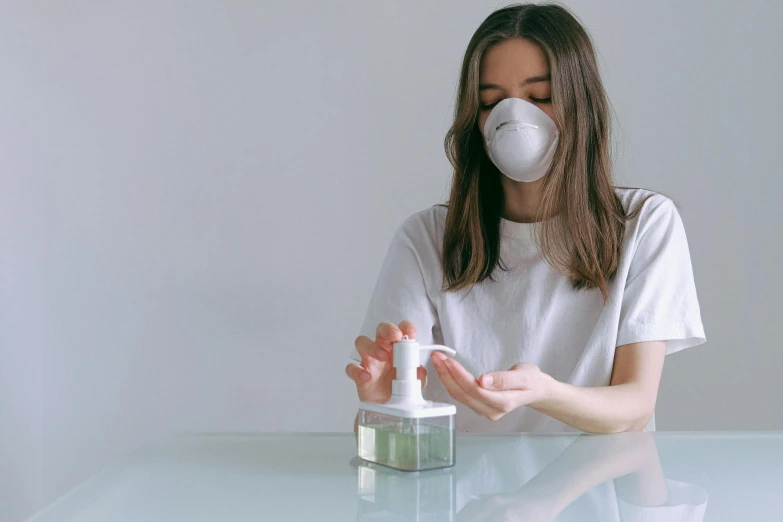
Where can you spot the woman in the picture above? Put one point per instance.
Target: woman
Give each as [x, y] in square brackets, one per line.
[560, 292]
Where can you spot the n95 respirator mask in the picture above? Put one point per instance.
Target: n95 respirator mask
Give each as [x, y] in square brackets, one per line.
[520, 139]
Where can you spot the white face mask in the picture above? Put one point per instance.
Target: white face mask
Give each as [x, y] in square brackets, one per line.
[520, 139]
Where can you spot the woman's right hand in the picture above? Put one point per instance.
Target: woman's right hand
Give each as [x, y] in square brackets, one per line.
[374, 376]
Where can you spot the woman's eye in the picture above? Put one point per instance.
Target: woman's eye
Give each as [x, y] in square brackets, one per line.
[536, 100]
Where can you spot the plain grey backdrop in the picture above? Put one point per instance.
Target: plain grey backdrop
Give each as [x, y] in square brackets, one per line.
[196, 198]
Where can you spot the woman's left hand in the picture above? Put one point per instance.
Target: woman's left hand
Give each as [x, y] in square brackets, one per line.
[494, 394]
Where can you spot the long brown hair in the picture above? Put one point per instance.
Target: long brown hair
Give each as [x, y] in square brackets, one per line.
[585, 237]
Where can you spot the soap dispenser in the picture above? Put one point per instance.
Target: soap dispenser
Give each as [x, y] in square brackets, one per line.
[407, 432]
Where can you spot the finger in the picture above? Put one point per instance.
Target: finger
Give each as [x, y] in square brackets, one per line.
[358, 374]
[446, 378]
[421, 374]
[387, 333]
[499, 401]
[368, 349]
[517, 378]
[455, 390]
[408, 328]
[468, 383]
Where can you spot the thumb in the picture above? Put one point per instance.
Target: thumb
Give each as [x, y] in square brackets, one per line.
[421, 374]
[509, 380]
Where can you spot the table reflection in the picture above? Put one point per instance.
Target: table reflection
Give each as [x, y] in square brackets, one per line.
[615, 477]
[309, 477]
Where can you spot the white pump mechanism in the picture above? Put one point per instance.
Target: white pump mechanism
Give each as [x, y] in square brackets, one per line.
[406, 399]
[408, 356]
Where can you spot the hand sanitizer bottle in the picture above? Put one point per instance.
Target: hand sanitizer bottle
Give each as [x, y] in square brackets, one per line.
[408, 433]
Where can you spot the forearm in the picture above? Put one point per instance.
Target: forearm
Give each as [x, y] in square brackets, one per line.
[590, 461]
[605, 409]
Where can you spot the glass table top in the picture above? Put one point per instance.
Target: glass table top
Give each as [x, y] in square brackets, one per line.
[729, 476]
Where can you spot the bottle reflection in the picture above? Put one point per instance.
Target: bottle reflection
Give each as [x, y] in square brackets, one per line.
[607, 478]
[388, 494]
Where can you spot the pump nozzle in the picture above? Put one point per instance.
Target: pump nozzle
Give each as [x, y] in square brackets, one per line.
[408, 356]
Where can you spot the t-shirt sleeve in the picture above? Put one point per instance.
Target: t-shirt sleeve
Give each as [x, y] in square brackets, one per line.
[659, 301]
[400, 292]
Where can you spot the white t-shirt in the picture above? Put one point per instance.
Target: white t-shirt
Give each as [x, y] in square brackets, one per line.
[532, 314]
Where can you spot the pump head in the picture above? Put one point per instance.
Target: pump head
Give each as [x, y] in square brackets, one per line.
[408, 356]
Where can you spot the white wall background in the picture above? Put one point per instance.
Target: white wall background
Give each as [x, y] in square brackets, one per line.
[195, 199]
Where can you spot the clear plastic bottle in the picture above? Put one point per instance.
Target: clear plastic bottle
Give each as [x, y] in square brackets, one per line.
[408, 433]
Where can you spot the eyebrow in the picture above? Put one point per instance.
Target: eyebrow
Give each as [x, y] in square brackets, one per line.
[532, 79]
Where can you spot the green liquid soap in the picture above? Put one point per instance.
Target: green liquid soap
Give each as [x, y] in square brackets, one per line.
[408, 446]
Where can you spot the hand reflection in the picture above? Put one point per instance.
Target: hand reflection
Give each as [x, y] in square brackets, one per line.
[632, 458]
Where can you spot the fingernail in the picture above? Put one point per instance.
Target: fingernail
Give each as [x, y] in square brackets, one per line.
[487, 381]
